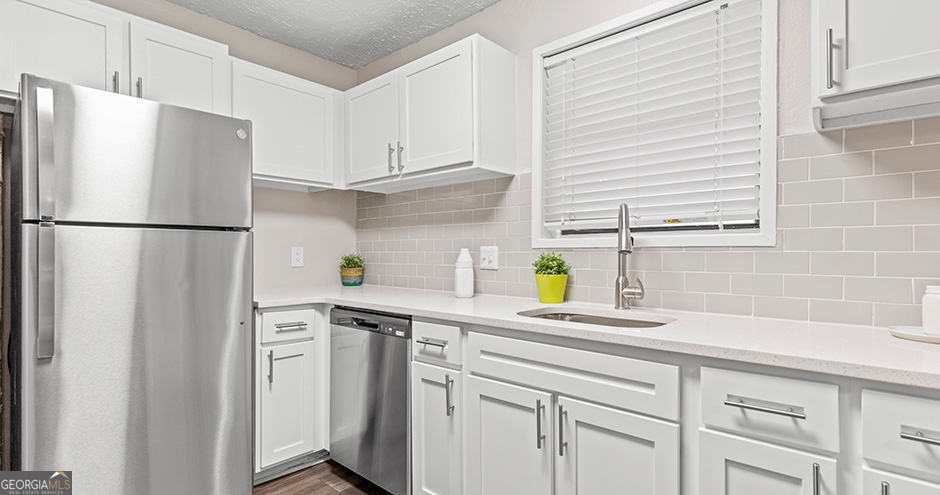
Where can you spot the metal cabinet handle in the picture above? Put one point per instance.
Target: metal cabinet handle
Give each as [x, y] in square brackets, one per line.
[115, 82]
[561, 431]
[770, 410]
[391, 168]
[448, 392]
[918, 436]
[401, 166]
[815, 478]
[885, 488]
[442, 344]
[140, 87]
[830, 82]
[539, 436]
[290, 326]
[271, 366]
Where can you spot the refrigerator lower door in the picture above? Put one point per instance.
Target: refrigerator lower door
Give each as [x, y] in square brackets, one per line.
[93, 156]
[148, 389]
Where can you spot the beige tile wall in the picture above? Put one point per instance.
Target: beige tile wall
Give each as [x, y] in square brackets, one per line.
[858, 220]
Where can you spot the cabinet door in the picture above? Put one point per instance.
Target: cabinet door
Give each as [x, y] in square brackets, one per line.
[73, 42]
[509, 439]
[876, 43]
[437, 109]
[288, 416]
[292, 120]
[436, 412]
[606, 451]
[881, 483]
[737, 466]
[179, 68]
[372, 129]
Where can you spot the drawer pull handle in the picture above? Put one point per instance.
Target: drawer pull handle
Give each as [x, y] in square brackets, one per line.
[442, 344]
[770, 410]
[290, 326]
[918, 436]
[815, 478]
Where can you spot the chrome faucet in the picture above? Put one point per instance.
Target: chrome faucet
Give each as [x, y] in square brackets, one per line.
[625, 291]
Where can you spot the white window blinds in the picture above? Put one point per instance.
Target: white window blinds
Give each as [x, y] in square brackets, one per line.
[664, 116]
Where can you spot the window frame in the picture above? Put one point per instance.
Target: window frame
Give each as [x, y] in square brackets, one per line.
[766, 234]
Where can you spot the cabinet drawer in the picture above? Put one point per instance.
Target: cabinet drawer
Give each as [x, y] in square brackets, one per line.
[901, 431]
[278, 326]
[642, 386]
[879, 483]
[436, 343]
[770, 407]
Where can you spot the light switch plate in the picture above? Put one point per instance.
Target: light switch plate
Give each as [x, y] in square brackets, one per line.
[489, 257]
[297, 257]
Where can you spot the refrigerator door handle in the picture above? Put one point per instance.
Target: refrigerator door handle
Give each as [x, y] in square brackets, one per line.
[45, 152]
[45, 336]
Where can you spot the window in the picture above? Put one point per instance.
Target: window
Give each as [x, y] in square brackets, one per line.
[672, 111]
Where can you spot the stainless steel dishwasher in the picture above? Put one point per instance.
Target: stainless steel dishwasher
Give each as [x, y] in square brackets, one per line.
[369, 397]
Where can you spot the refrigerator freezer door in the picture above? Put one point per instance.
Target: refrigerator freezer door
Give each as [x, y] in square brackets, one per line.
[94, 156]
[149, 388]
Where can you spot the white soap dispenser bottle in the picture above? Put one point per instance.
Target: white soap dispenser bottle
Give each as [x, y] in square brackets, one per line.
[463, 274]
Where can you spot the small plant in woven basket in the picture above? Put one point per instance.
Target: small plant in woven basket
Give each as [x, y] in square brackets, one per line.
[350, 269]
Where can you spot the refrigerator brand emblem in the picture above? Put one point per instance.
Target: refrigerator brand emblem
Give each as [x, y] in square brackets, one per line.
[241, 134]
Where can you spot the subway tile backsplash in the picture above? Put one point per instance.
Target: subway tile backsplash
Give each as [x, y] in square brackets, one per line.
[858, 237]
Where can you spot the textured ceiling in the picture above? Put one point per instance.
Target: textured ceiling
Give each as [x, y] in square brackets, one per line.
[349, 32]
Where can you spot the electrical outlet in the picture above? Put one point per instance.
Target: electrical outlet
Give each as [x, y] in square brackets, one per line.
[489, 257]
[297, 257]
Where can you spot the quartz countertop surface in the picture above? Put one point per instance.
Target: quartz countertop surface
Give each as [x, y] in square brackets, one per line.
[864, 352]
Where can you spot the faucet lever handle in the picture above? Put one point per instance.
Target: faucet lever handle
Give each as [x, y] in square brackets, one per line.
[641, 291]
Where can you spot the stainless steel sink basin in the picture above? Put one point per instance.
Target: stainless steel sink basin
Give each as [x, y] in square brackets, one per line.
[621, 319]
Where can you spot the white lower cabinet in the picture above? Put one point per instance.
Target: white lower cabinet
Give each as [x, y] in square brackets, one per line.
[287, 395]
[509, 439]
[731, 465]
[436, 414]
[880, 483]
[602, 450]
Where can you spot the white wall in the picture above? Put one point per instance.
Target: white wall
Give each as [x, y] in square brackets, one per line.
[521, 25]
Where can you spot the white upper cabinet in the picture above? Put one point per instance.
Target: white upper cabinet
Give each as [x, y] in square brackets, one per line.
[602, 448]
[179, 68]
[877, 43]
[70, 41]
[293, 124]
[436, 114]
[454, 120]
[874, 62]
[372, 129]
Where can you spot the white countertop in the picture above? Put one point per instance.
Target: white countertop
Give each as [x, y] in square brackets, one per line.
[847, 350]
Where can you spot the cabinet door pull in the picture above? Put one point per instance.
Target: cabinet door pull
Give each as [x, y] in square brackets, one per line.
[448, 395]
[830, 82]
[391, 168]
[140, 87]
[562, 444]
[885, 488]
[401, 166]
[739, 403]
[115, 82]
[815, 478]
[290, 326]
[271, 366]
[442, 344]
[918, 436]
[539, 436]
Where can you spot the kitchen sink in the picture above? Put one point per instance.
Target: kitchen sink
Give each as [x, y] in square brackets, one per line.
[613, 318]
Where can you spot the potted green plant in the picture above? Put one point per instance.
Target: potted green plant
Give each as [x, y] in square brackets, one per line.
[350, 269]
[551, 277]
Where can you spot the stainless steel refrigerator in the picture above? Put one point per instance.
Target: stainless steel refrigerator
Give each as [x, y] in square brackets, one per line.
[130, 259]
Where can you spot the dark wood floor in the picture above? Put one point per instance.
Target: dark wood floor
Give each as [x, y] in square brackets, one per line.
[326, 478]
